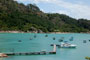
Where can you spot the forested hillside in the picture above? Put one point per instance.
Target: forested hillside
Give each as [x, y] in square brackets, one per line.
[16, 16]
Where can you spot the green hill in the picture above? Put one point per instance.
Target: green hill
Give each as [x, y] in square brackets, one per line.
[16, 16]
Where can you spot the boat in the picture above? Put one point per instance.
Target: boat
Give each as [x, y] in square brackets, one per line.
[3, 55]
[67, 45]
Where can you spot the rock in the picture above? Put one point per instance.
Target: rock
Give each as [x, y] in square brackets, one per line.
[39, 31]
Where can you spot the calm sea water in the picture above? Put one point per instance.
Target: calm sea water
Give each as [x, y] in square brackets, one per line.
[30, 42]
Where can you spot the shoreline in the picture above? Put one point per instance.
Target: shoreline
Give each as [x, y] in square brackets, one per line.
[11, 32]
[42, 32]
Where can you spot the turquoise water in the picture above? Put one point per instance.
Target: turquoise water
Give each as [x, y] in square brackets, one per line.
[29, 43]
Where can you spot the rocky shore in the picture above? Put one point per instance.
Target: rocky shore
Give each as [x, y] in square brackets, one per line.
[38, 32]
[21, 32]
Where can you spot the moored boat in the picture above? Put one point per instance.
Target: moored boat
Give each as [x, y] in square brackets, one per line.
[67, 45]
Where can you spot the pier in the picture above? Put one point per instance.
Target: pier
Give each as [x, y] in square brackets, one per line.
[33, 53]
[54, 48]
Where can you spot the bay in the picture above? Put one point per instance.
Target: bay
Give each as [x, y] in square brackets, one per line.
[32, 42]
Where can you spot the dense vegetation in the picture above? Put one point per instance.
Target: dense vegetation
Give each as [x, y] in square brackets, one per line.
[19, 17]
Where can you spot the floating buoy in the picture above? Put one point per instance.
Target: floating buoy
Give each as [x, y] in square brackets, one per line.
[89, 40]
[60, 40]
[84, 41]
[19, 41]
[46, 35]
[54, 38]
[35, 36]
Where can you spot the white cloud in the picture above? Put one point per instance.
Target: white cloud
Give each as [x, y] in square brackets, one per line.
[37, 1]
[78, 10]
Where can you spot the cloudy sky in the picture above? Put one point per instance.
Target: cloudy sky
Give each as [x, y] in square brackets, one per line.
[74, 8]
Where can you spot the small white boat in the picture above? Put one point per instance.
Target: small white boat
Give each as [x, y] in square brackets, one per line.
[67, 45]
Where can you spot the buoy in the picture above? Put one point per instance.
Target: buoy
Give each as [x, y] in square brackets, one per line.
[84, 41]
[54, 38]
[46, 35]
[35, 36]
[89, 40]
[19, 41]
[60, 40]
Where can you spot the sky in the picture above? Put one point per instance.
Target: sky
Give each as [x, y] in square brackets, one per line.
[74, 8]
